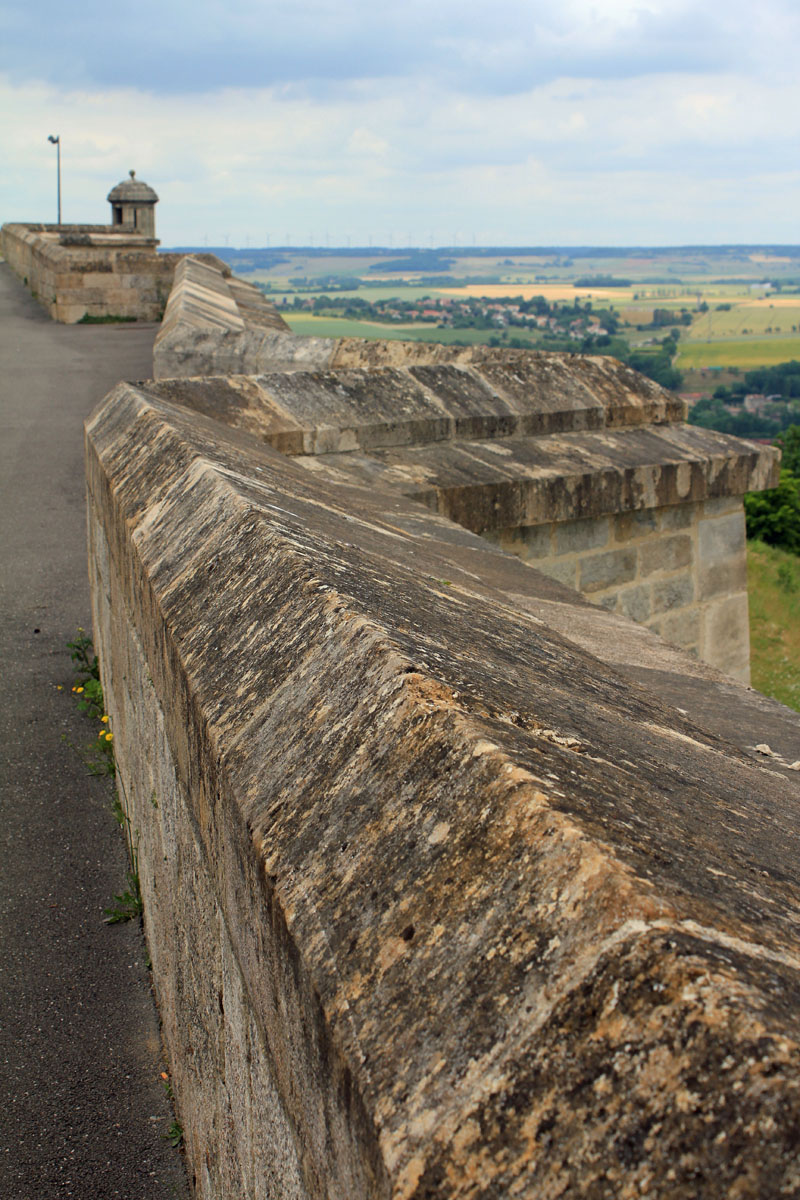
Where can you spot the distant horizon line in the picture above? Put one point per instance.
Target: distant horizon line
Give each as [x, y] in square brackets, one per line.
[489, 250]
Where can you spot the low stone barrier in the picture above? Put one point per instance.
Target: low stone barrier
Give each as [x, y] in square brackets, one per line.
[455, 884]
[75, 271]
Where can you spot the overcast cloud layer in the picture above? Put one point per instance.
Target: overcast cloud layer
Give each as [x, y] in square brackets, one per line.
[617, 122]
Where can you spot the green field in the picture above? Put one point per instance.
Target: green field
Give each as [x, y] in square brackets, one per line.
[387, 291]
[773, 584]
[745, 353]
[738, 320]
[748, 319]
[310, 326]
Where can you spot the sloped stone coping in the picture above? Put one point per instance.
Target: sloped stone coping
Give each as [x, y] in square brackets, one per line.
[471, 913]
[594, 451]
[215, 326]
[206, 301]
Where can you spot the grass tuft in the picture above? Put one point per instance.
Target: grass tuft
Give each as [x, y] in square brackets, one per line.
[773, 577]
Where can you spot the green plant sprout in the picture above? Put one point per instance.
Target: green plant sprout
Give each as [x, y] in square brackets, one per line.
[174, 1135]
[88, 691]
[99, 756]
[128, 904]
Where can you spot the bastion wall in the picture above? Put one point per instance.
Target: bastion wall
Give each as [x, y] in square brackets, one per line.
[75, 271]
[455, 884]
[646, 526]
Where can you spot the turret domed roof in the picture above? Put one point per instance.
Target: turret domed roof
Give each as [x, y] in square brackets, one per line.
[132, 191]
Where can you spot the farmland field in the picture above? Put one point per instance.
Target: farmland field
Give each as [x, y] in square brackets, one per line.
[550, 291]
[372, 294]
[745, 353]
[734, 306]
[312, 326]
[773, 585]
[780, 315]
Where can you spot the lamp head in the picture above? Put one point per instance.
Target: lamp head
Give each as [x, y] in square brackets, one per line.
[52, 139]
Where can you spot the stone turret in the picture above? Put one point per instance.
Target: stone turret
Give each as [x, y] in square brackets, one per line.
[133, 203]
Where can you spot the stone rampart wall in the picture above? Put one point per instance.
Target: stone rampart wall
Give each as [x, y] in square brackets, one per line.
[455, 884]
[653, 528]
[680, 570]
[78, 271]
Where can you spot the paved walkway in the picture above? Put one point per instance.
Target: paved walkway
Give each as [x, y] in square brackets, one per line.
[83, 1111]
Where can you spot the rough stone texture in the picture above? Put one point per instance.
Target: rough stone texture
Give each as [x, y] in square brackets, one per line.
[505, 442]
[490, 918]
[658, 501]
[75, 271]
[679, 570]
[209, 331]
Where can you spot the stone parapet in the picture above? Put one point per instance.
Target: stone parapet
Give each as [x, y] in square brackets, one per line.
[575, 464]
[680, 570]
[490, 395]
[211, 317]
[487, 485]
[455, 884]
[210, 329]
[75, 271]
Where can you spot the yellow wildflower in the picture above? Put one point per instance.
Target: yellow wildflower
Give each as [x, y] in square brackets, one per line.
[104, 718]
[109, 737]
[79, 690]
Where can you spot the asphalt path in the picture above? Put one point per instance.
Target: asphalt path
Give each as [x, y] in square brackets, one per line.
[83, 1109]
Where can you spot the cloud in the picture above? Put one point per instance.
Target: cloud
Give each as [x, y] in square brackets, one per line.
[516, 122]
[668, 158]
[175, 47]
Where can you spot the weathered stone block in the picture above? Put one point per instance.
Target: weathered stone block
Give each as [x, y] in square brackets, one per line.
[607, 600]
[635, 602]
[726, 635]
[574, 537]
[722, 566]
[635, 524]
[684, 628]
[528, 542]
[720, 506]
[672, 593]
[665, 554]
[565, 570]
[679, 516]
[606, 570]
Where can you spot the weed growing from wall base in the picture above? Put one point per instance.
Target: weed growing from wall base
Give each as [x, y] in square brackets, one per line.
[128, 904]
[174, 1135]
[88, 691]
[99, 757]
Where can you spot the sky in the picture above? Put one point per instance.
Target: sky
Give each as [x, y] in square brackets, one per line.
[358, 122]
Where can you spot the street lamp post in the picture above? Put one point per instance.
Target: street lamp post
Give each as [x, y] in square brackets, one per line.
[56, 140]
